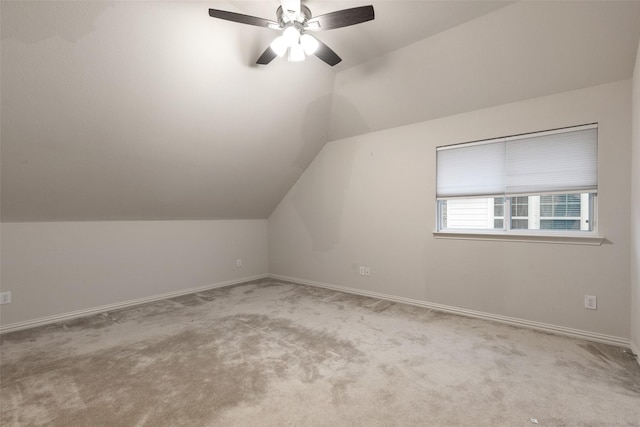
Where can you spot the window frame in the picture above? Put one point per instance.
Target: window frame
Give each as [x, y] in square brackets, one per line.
[507, 217]
[570, 236]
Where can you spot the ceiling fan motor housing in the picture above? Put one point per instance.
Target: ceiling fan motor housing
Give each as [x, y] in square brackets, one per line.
[301, 19]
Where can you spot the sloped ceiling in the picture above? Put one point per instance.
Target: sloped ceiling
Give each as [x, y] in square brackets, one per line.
[527, 50]
[154, 110]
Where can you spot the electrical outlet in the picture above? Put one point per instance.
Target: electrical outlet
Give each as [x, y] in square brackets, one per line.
[238, 262]
[361, 270]
[5, 297]
[590, 302]
[367, 272]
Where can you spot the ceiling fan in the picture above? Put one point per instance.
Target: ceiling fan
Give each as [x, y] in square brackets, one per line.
[295, 21]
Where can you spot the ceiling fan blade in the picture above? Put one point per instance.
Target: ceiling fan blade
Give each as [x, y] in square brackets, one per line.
[325, 53]
[242, 19]
[266, 57]
[342, 18]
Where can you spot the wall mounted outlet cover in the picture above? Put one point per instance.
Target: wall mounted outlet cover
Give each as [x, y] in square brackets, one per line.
[5, 297]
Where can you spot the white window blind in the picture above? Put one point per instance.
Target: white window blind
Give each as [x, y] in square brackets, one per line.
[544, 162]
[473, 170]
[566, 162]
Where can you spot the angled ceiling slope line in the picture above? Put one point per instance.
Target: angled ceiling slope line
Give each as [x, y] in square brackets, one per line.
[523, 51]
[151, 110]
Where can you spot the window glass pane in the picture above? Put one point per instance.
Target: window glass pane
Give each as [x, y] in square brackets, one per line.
[519, 224]
[468, 213]
[559, 209]
[498, 207]
[573, 209]
[536, 212]
[565, 212]
[519, 206]
[560, 224]
[523, 210]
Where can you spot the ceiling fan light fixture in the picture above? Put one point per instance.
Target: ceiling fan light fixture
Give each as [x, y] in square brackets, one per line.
[291, 35]
[279, 46]
[309, 44]
[294, 19]
[296, 53]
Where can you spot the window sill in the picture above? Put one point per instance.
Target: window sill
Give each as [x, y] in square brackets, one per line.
[528, 238]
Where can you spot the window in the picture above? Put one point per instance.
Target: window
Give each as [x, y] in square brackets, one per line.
[545, 181]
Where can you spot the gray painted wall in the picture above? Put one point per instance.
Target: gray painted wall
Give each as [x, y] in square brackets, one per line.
[56, 268]
[370, 200]
[635, 212]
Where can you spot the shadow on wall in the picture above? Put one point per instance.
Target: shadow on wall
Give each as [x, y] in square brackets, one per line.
[345, 120]
[320, 194]
[315, 131]
[319, 197]
[52, 19]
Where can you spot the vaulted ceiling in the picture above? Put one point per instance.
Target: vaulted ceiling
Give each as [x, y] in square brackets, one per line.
[153, 110]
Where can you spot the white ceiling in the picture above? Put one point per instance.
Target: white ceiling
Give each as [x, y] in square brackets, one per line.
[154, 110]
[397, 23]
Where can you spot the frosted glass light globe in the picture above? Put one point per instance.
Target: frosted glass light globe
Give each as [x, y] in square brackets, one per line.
[309, 43]
[291, 36]
[279, 46]
[296, 53]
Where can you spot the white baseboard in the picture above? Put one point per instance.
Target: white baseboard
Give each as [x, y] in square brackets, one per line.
[560, 330]
[110, 307]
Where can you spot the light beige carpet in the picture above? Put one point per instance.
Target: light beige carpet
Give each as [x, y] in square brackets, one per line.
[278, 354]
